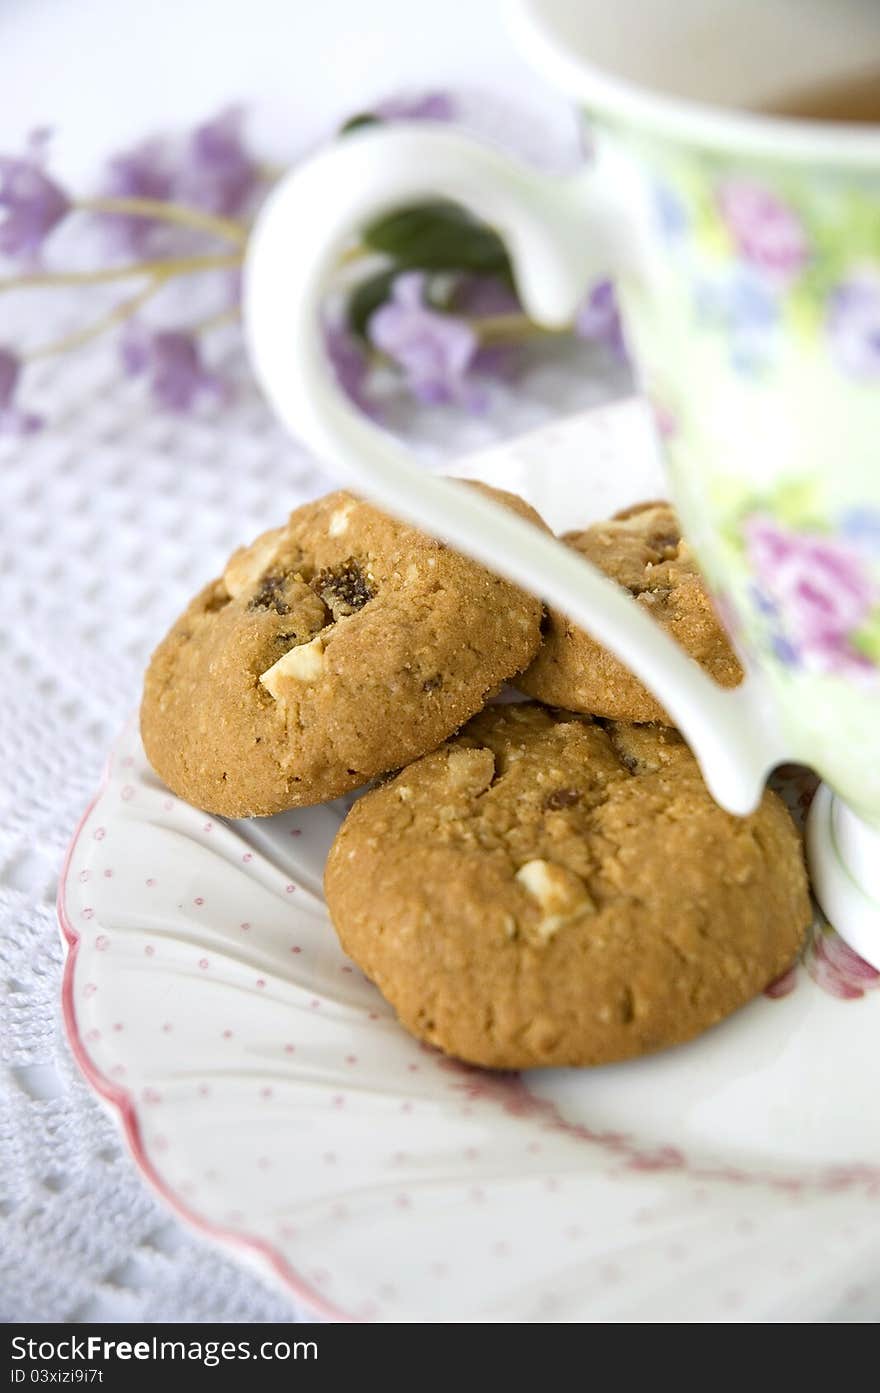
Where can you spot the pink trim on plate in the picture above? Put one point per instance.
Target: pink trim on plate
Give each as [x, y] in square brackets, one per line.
[128, 1113]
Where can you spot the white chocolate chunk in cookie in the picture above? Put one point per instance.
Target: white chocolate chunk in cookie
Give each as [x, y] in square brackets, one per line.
[249, 564]
[468, 769]
[305, 663]
[339, 520]
[561, 894]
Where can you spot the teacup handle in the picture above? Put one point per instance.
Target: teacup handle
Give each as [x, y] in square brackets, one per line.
[561, 233]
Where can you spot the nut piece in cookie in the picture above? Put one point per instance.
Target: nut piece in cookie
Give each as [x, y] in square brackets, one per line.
[332, 649]
[643, 550]
[545, 889]
[304, 663]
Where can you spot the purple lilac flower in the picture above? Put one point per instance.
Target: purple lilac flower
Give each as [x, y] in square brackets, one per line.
[172, 361]
[821, 591]
[434, 351]
[349, 363]
[32, 202]
[479, 297]
[217, 172]
[13, 421]
[234, 283]
[10, 369]
[598, 319]
[138, 173]
[853, 325]
[765, 231]
[429, 106]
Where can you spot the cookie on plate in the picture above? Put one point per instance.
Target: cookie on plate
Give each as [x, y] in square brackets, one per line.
[332, 649]
[643, 550]
[546, 889]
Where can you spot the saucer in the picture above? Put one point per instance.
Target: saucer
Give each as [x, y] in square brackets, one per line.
[268, 1094]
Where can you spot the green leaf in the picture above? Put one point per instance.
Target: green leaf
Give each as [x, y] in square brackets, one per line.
[366, 299]
[359, 121]
[438, 237]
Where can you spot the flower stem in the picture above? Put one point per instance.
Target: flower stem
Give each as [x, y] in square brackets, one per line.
[354, 253]
[229, 315]
[124, 310]
[178, 266]
[226, 228]
[496, 330]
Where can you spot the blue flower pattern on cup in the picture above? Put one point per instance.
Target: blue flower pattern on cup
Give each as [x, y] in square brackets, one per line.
[741, 305]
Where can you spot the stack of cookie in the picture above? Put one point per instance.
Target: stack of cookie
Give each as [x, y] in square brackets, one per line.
[542, 883]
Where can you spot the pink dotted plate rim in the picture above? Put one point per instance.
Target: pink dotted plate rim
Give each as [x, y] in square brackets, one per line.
[123, 1105]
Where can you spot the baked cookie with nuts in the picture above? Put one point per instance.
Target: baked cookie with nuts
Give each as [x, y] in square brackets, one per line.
[546, 889]
[332, 649]
[643, 550]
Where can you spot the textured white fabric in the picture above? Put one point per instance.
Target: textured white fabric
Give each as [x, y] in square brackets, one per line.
[111, 518]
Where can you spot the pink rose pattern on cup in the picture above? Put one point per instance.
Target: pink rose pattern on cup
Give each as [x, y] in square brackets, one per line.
[762, 266]
[766, 233]
[818, 597]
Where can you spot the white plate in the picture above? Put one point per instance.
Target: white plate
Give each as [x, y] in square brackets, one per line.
[268, 1094]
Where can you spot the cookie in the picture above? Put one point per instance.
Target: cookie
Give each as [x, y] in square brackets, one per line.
[546, 889]
[332, 649]
[643, 550]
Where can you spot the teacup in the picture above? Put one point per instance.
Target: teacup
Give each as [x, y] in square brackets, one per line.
[746, 250]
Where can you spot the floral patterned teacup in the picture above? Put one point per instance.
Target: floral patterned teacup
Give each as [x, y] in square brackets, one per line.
[746, 249]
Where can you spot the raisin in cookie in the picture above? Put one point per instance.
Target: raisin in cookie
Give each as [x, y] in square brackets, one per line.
[332, 649]
[643, 550]
[545, 889]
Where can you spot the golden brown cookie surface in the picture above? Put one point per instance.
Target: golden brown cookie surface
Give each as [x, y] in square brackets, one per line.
[332, 649]
[549, 890]
[643, 550]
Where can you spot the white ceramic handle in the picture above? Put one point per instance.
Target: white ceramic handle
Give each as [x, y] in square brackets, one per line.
[561, 235]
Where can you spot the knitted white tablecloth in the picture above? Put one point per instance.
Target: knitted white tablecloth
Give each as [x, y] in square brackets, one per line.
[109, 520]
